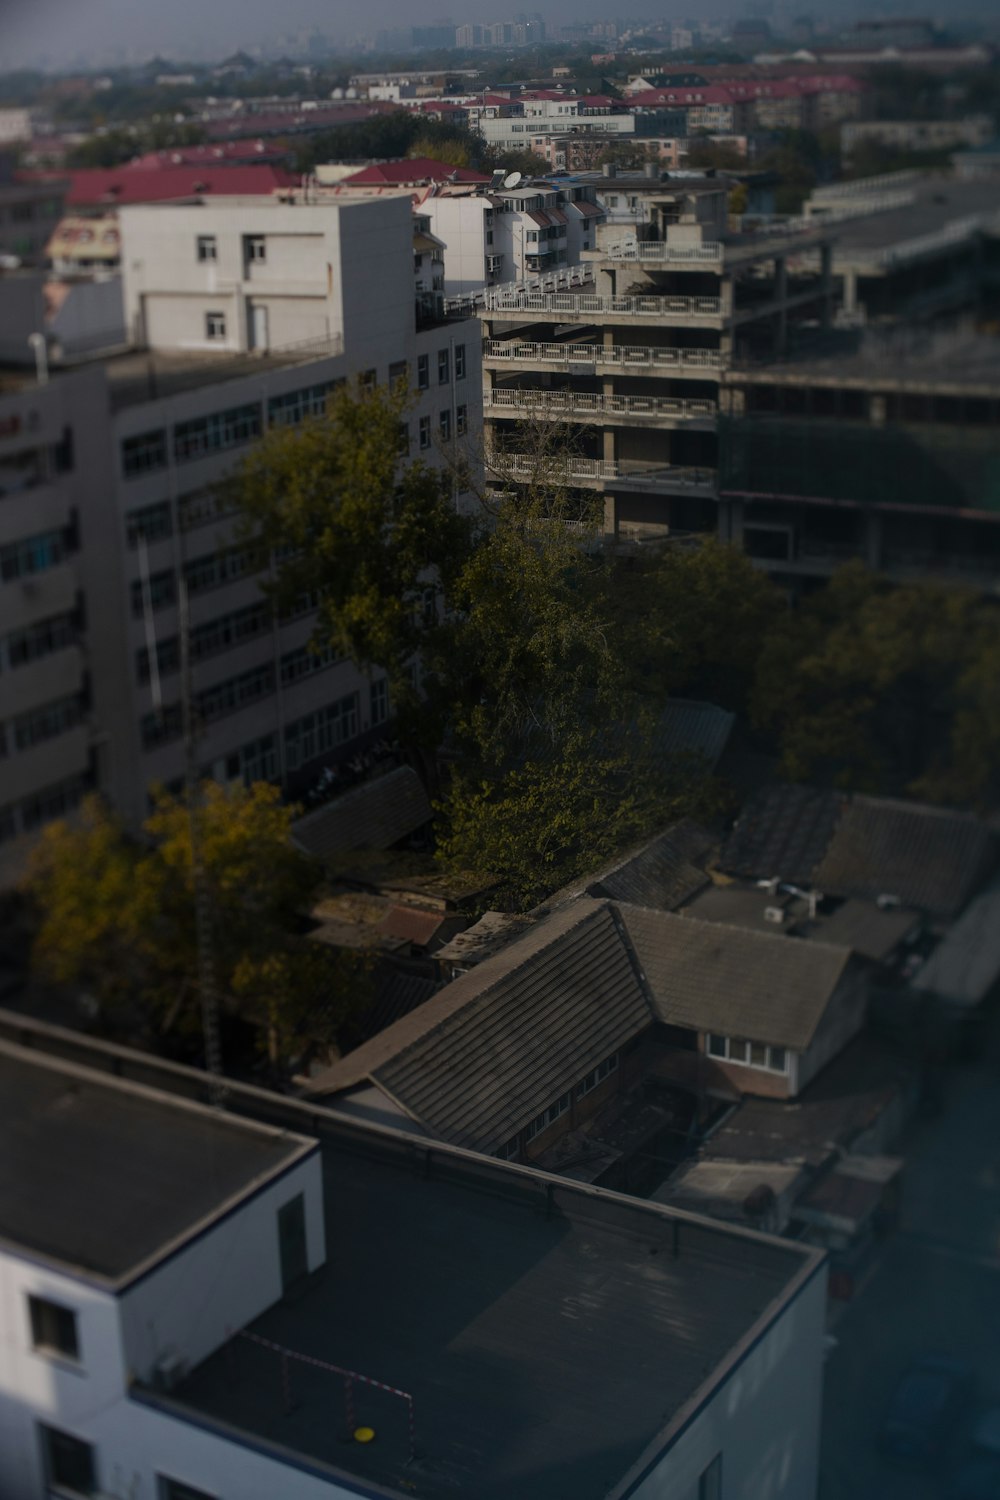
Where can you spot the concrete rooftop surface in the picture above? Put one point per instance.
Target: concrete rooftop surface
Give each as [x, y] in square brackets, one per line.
[546, 1334]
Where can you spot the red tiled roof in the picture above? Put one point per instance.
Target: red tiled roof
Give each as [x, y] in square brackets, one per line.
[99, 185]
[410, 171]
[240, 152]
[411, 924]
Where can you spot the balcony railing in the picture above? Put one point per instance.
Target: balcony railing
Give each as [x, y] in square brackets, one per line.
[618, 356]
[662, 252]
[524, 466]
[557, 405]
[668, 309]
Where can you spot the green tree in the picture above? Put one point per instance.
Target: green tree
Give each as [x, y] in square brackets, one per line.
[376, 539]
[116, 916]
[863, 685]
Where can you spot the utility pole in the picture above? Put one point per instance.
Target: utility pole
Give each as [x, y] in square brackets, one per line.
[202, 897]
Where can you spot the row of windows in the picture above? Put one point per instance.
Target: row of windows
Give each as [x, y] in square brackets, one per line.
[295, 406]
[444, 427]
[320, 732]
[750, 1054]
[443, 367]
[149, 523]
[36, 554]
[230, 696]
[224, 566]
[42, 806]
[512, 1148]
[210, 639]
[45, 723]
[195, 438]
[304, 661]
[44, 638]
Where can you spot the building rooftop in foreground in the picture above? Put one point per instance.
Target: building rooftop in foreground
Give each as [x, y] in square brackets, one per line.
[105, 1177]
[555, 1338]
[547, 1336]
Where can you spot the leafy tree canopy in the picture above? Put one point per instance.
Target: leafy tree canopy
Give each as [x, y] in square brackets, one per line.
[116, 916]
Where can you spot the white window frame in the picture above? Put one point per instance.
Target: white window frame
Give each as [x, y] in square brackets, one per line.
[739, 1050]
[215, 326]
[207, 247]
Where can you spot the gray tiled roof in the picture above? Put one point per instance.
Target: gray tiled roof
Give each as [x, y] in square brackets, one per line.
[931, 858]
[689, 727]
[664, 872]
[965, 965]
[489, 1067]
[375, 815]
[782, 833]
[730, 980]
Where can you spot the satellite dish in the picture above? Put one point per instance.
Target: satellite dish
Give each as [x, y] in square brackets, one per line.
[512, 180]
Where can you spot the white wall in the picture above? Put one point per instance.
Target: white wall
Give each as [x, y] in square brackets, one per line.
[764, 1420]
[842, 1020]
[460, 223]
[222, 1281]
[38, 1387]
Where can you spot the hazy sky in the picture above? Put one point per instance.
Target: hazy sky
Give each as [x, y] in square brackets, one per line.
[64, 32]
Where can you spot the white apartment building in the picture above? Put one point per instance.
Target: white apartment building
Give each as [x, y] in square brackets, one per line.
[512, 233]
[245, 318]
[205, 1304]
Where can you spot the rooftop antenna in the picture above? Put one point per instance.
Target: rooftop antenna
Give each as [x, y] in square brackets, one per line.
[202, 897]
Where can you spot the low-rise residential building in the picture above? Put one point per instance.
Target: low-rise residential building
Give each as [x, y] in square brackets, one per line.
[208, 1302]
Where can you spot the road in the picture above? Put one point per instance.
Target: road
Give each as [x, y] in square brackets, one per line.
[937, 1288]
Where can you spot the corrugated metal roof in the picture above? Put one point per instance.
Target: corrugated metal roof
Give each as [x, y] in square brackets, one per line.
[495, 1063]
[965, 965]
[931, 858]
[375, 815]
[711, 977]
[782, 833]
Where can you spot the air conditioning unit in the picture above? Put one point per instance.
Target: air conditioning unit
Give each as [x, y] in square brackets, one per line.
[775, 914]
[168, 1371]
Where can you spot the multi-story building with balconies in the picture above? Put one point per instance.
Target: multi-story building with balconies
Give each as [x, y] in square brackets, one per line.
[627, 353]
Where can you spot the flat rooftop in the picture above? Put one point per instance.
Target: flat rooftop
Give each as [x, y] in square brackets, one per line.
[547, 1333]
[937, 202]
[104, 1177]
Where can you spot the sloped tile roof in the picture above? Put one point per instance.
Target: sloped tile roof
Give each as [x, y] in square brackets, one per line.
[664, 872]
[490, 1067]
[931, 858]
[965, 965]
[375, 815]
[412, 169]
[689, 727]
[711, 977]
[782, 833]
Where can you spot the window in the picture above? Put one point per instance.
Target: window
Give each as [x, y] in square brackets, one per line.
[199, 507]
[162, 592]
[208, 248]
[749, 1054]
[304, 662]
[398, 373]
[320, 732]
[444, 367]
[218, 568]
[230, 630]
[41, 639]
[47, 722]
[255, 248]
[597, 1075]
[511, 1150]
[144, 453]
[367, 380]
[710, 1482]
[444, 423]
[548, 1117]
[35, 554]
[230, 696]
[215, 325]
[462, 420]
[69, 1462]
[53, 1328]
[425, 433]
[214, 434]
[423, 372]
[168, 658]
[294, 406]
[460, 356]
[162, 727]
[378, 701]
[151, 523]
[257, 761]
[52, 802]
[175, 1489]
